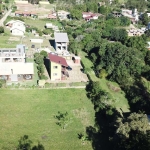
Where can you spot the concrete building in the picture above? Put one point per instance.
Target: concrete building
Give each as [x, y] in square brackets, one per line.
[13, 66]
[61, 41]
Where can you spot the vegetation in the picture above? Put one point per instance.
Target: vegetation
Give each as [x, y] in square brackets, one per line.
[34, 112]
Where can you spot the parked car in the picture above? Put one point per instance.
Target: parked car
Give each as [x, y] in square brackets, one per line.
[69, 68]
[32, 46]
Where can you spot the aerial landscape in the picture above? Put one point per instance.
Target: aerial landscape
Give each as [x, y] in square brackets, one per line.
[75, 74]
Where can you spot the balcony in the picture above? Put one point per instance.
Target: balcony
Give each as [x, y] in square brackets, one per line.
[8, 55]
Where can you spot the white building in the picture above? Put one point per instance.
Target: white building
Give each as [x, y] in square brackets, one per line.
[17, 27]
[13, 66]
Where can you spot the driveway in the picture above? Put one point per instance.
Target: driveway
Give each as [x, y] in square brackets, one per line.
[75, 75]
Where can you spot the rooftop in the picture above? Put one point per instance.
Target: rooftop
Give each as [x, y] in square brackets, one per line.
[57, 59]
[16, 68]
[61, 37]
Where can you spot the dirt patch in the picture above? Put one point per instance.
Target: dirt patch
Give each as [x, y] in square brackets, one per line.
[14, 39]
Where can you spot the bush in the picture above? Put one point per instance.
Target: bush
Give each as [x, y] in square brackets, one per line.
[44, 53]
[43, 77]
[1, 30]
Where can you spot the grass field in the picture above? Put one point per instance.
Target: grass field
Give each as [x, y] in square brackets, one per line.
[31, 112]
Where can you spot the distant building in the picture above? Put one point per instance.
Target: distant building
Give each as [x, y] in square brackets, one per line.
[17, 27]
[90, 16]
[62, 15]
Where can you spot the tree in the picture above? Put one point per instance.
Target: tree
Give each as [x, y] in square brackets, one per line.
[133, 132]
[26, 144]
[145, 19]
[137, 4]
[76, 14]
[100, 98]
[63, 119]
[119, 35]
[1, 30]
[44, 53]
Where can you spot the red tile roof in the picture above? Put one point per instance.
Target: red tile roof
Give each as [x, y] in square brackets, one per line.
[57, 59]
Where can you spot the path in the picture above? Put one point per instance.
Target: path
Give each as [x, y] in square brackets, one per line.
[73, 87]
[4, 17]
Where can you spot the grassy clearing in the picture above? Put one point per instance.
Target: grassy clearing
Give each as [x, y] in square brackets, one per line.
[87, 63]
[119, 97]
[40, 23]
[31, 112]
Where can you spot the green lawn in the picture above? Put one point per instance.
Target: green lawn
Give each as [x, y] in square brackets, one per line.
[31, 112]
[87, 63]
[40, 23]
[119, 97]
[6, 43]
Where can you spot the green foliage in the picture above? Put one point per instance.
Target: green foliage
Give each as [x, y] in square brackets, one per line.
[76, 14]
[103, 73]
[26, 144]
[103, 10]
[124, 21]
[100, 98]
[1, 29]
[63, 119]
[145, 19]
[119, 35]
[120, 62]
[51, 1]
[38, 58]
[44, 53]
[132, 132]
[6, 1]
[47, 31]
[2, 83]
[137, 4]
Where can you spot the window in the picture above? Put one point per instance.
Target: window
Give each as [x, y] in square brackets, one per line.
[54, 74]
[13, 51]
[55, 67]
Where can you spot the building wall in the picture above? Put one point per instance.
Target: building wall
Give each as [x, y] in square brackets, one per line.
[17, 32]
[22, 2]
[55, 73]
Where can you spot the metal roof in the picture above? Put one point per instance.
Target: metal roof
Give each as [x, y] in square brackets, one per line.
[57, 59]
[61, 37]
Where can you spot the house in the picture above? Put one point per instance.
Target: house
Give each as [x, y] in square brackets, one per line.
[89, 16]
[52, 15]
[26, 14]
[61, 41]
[62, 15]
[17, 27]
[49, 25]
[13, 66]
[15, 23]
[132, 15]
[116, 14]
[57, 67]
[17, 31]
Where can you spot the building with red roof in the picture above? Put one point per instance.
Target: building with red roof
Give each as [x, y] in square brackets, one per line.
[57, 67]
[89, 16]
